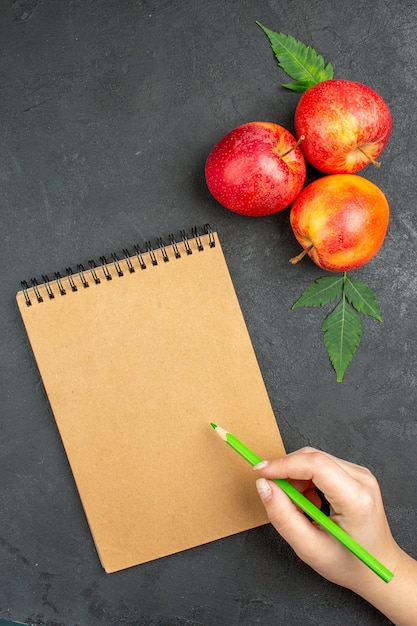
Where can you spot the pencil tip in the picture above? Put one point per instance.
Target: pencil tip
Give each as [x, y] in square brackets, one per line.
[213, 425]
[220, 431]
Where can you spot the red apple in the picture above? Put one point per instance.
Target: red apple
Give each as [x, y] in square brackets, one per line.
[345, 125]
[256, 169]
[340, 220]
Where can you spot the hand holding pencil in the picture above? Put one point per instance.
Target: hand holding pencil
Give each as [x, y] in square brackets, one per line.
[288, 489]
[355, 505]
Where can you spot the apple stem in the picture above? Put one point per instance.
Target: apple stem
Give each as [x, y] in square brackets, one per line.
[302, 254]
[301, 138]
[370, 159]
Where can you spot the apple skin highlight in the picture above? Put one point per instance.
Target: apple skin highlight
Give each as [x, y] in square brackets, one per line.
[345, 217]
[345, 124]
[256, 169]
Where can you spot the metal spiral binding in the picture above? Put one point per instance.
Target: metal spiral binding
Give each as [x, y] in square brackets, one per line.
[185, 242]
[93, 272]
[81, 270]
[174, 246]
[197, 239]
[58, 279]
[139, 256]
[116, 264]
[209, 232]
[71, 279]
[151, 253]
[166, 251]
[48, 286]
[105, 269]
[163, 250]
[35, 287]
[128, 260]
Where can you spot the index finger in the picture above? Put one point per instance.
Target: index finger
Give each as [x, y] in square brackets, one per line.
[339, 480]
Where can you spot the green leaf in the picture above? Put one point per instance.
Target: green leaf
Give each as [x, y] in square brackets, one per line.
[299, 61]
[299, 86]
[321, 292]
[362, 298]
[342, 330]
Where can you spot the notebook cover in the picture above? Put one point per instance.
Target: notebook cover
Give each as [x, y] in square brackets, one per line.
[135, 369]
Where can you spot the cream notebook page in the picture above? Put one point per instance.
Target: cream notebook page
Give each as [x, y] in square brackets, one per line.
[135, 369]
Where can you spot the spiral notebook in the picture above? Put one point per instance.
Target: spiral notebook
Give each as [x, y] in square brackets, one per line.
[138, 353]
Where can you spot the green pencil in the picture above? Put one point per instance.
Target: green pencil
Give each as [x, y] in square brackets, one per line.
[308, 507]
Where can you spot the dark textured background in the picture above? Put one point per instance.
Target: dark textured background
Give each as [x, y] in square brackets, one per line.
[108, 111]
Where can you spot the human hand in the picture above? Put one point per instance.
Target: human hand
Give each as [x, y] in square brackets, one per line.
[356, 506]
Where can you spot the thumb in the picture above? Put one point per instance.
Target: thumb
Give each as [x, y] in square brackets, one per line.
[310, 542]
[279, 508]
[287, 519]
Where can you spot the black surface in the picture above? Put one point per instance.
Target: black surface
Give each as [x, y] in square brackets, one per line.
[108, 111]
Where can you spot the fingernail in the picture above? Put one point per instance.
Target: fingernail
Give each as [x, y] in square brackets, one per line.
[264, 488]
[260, 465]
